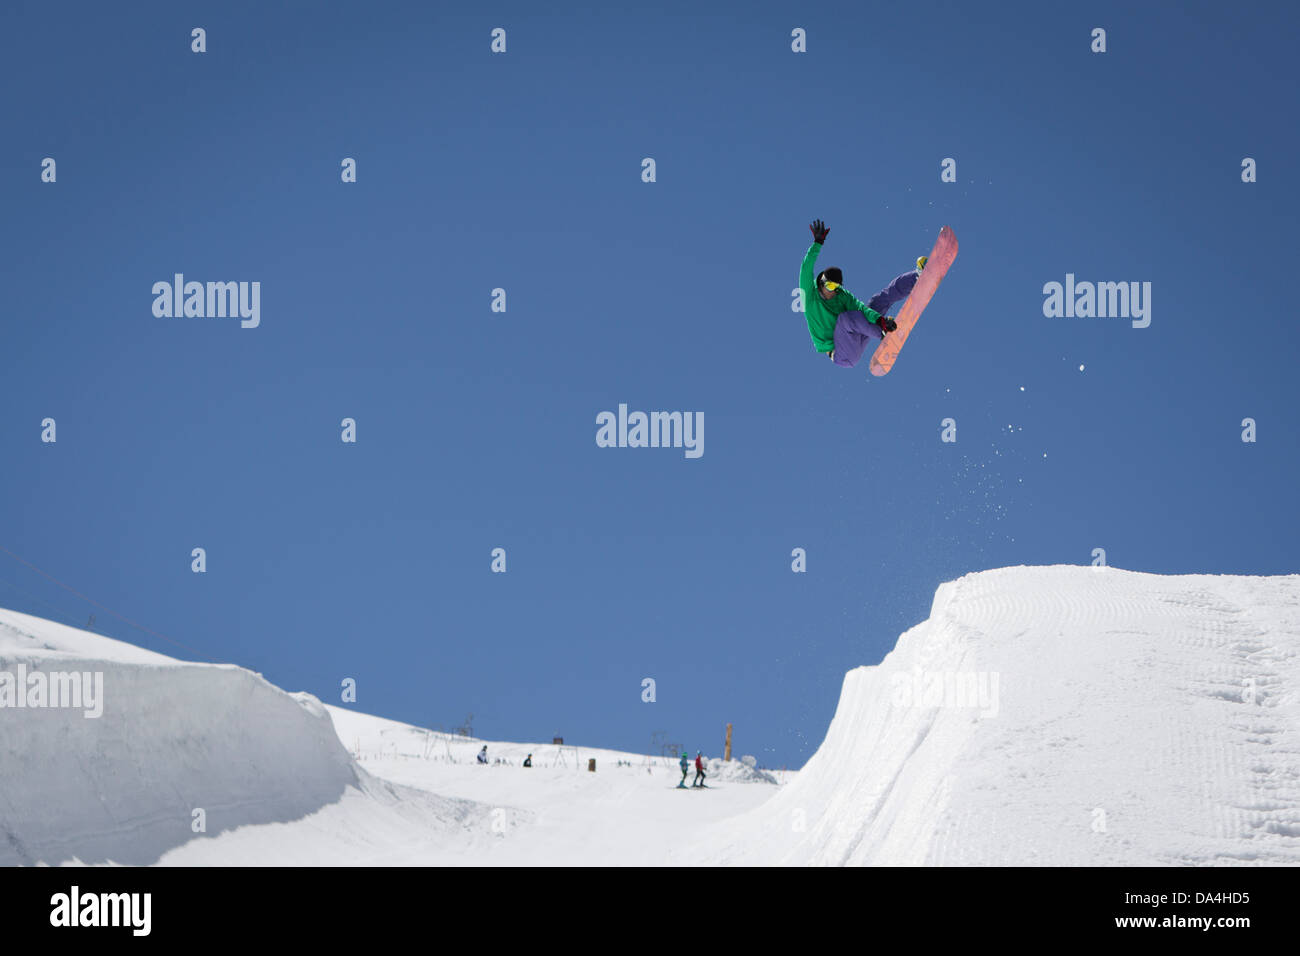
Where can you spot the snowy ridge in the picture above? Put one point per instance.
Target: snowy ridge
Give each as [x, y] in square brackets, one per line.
[1045, 716]
[1124, 719]
[174, 738]
[283, 779]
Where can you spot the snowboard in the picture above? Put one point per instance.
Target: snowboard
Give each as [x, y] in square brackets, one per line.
[936, 267]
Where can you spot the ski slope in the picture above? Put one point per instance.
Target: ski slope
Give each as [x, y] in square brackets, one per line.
[1041, 716]
[281, 779]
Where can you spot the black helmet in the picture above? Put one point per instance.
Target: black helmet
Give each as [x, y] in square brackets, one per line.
[833, 274]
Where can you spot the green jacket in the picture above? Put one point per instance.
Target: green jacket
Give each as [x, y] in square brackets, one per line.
[823, 313]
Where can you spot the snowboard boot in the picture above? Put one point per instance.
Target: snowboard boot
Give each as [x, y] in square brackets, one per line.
[921, 261]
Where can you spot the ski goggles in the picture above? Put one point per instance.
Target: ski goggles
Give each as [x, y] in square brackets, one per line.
[832, 286]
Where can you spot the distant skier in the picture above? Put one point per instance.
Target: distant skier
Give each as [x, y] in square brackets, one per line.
[686, 767]
[482, 755]
[841, 325]
[699, 769]
[528, 761]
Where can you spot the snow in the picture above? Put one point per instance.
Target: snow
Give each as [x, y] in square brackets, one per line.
[23, 637]
[1131, 719]
[282, 779]
[173, 738]
[1045, 716]
[620, 815]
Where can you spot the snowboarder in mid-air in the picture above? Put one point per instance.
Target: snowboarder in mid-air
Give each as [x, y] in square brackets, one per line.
[840, 325]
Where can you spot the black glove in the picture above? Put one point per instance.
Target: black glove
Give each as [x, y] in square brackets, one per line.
[819, 231]
[887, 323]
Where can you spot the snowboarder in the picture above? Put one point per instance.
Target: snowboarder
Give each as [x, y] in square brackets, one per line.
[840, 325]
[482, 755]
[699, 769]
[686, 768]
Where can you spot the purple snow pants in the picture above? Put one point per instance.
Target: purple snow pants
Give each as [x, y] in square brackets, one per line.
[854, 331]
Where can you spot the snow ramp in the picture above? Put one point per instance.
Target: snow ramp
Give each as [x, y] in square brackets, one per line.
[1058, 716]
[182, 761]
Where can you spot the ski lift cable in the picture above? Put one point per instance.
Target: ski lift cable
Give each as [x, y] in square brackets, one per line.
[62, 615]
[105, 609]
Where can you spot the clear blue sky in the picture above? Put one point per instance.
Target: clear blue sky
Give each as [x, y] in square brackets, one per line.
[477, 429]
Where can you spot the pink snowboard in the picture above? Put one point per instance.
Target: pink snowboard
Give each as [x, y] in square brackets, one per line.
[936, 267]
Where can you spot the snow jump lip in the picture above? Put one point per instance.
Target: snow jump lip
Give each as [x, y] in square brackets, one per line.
[1137, 720]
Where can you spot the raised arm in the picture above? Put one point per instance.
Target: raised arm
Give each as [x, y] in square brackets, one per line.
[806, 273]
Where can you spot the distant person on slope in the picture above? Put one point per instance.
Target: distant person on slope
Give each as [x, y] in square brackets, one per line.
[686, 767]
[528, 761]
[482, 754]
[699, 769]
[839, 324]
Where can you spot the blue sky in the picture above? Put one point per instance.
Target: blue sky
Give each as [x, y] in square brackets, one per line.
[476, 429]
